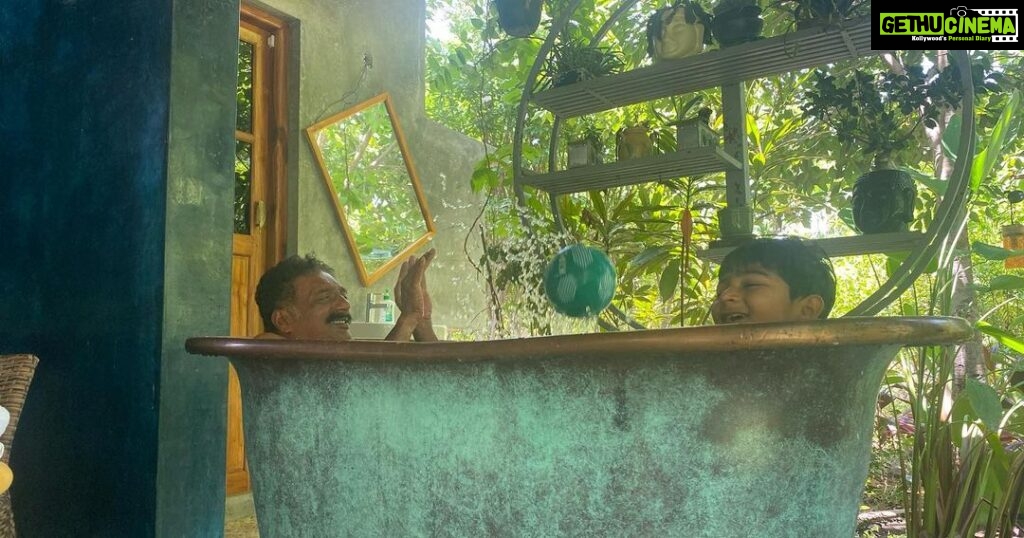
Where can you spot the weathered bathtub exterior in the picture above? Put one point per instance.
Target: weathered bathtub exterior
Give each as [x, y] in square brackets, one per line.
[746, 430]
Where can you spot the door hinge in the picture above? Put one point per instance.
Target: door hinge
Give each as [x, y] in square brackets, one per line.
[261, 214]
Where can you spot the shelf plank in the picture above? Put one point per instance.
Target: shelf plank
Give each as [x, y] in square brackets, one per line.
[687, 162]
[837, 247]
[797, 50]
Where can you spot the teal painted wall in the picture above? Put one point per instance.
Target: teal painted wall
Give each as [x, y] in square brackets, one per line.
[115, 214]
[110, 205]
[197, 266]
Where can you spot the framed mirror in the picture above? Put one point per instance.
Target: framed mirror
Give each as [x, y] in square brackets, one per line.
[377, 196]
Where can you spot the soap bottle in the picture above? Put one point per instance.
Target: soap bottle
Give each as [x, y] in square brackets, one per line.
[389, 308]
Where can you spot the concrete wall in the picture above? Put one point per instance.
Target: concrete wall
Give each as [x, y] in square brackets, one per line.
[333, 37]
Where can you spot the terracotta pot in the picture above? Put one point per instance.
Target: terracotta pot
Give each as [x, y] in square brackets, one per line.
[1013, 239]
[633, 142]
[883, 201]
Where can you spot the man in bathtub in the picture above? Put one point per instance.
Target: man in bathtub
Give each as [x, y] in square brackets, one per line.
[299, 298]
[774, 279]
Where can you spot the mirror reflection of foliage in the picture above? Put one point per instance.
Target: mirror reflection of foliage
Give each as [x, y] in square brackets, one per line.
[365, 163]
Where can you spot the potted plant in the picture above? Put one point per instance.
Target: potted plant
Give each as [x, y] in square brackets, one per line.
[633, 142]
[736, 21]
[519, 18]
[879, 116]
[1013, 233]
[586, 148]
[677, 31]
[574, 60]
[695, 132]
[812, 13]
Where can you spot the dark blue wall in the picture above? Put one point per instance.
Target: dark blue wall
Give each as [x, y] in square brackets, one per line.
[84, 123]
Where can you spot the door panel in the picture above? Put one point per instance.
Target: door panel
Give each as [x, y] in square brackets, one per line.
[259, 185]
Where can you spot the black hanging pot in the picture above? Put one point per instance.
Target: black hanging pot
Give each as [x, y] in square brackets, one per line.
[519, 18]
[737, 26]
[883, 201]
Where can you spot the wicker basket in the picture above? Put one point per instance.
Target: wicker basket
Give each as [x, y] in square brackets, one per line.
[16, 373]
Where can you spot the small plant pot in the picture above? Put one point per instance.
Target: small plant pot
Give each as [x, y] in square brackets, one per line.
[737, 26]
[1013, 239]
[519, 18]
[694, 133]
[583, 153]
[633, 142]
[883, 201]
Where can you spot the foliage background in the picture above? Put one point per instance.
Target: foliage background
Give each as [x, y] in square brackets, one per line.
[947, 451]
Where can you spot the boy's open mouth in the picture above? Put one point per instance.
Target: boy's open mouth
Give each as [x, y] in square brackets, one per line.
[735, 317]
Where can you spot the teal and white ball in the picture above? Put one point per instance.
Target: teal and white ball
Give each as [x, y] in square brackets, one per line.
[580, 281]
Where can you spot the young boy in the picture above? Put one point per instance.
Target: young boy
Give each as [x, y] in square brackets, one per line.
[774, 279]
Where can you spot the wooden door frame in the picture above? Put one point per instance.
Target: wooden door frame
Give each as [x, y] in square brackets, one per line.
[269, 196]
[277, 176]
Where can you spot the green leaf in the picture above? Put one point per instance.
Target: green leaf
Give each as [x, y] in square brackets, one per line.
[599, 207]
[483, 177]
[990, 252]
[648, 254]
[1006, 282]
[985, 402]
[951, 136]
[668, 282]
[1005, 338]
[991, 153]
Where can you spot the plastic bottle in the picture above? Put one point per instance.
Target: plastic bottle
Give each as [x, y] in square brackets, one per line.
[389, 308]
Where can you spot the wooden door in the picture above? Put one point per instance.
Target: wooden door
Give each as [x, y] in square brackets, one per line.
[259, 186]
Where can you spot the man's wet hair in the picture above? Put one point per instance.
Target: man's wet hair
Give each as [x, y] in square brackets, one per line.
[804, 266]
[277, 286]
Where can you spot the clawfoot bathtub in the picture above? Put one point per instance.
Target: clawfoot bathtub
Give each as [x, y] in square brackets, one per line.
[741, 430]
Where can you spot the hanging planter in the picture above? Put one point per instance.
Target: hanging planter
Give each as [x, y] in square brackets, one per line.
[519, 18]
[677, 31]
[883, 201]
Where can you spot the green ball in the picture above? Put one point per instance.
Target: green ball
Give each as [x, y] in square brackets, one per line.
[580, 281]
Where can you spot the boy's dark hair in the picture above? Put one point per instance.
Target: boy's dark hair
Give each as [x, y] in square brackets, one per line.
[277, 285]
[802, 265]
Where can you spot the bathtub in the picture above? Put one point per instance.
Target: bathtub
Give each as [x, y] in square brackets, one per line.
[744, 430]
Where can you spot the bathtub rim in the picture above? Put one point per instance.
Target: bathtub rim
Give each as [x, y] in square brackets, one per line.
[905, 331]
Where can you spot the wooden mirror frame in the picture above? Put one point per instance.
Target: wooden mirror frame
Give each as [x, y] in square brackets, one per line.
[368, 278]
